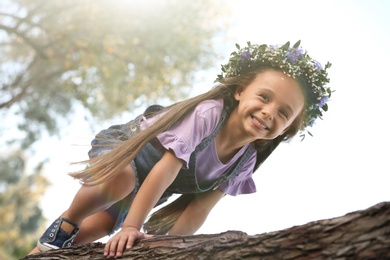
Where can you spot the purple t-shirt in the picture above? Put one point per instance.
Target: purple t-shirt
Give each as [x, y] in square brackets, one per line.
[183, 138]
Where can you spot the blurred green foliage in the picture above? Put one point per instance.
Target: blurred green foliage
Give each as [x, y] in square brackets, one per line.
[109, 56]
[20, 215]
[106, 56]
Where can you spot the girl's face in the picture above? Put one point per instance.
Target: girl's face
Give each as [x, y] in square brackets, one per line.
[269, 104]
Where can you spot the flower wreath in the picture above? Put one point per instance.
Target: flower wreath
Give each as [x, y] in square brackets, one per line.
[294, 62]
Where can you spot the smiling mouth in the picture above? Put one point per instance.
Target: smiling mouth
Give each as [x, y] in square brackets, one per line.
[259, 124]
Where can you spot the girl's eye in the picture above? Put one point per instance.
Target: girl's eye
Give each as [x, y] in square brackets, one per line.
[284, 114]
[264, 97]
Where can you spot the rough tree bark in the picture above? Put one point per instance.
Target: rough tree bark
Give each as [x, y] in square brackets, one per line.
[358, 235]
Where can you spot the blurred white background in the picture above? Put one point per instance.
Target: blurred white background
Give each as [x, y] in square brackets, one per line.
[343, 168]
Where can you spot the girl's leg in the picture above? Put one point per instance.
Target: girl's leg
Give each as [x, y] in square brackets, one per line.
[91, 199]
[102, 223]
[93, 228]
[87, 201]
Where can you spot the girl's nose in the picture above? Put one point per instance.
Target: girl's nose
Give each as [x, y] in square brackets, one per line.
[269, 112]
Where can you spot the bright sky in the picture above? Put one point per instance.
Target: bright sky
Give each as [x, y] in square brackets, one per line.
[345, 166]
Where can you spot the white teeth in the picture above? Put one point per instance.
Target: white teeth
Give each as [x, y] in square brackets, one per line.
[263, 126]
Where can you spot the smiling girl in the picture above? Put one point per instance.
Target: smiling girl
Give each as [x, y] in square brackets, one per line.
[204, 148]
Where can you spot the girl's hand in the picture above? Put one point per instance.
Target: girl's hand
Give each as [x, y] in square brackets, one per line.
[122, 241]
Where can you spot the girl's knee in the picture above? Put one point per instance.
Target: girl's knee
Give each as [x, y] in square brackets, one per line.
[127, 178]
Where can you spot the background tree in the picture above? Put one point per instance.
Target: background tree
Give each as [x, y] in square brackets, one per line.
[19, 215]
[107, 55]
[101, 56]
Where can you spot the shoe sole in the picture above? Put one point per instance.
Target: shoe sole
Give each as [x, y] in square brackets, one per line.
[45, 246]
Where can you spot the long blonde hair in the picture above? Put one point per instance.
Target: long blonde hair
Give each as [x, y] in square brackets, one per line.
[162, 220]
[109, 165]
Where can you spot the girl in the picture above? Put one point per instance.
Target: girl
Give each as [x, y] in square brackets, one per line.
[203, 147]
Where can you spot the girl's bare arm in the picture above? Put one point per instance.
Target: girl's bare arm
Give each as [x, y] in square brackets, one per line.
[157, 181]
[196, 213]
[160, 177]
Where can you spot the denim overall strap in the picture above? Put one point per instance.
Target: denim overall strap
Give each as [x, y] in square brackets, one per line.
[107, 138]
[186, 181]
[205, 142]
[234, 170]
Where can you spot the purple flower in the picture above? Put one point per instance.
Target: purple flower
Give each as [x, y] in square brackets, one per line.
[323, 101]
[318, 65]
[294, 54]
[245, 56]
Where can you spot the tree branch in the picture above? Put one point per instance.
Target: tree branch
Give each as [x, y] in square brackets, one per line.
[358, 235]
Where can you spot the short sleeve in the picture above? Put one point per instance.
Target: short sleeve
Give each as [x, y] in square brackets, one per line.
[243, 182]
[184, 136]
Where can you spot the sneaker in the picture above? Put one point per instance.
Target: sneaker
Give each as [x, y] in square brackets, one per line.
[60, 234]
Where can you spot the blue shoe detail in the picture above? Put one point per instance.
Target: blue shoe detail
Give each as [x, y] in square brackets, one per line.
[55, 237]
